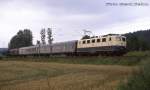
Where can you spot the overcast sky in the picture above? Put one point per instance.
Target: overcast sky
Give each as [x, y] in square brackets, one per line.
[68, 18]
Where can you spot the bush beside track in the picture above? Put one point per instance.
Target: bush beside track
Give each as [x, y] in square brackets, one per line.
[139, 53]
[140, 80]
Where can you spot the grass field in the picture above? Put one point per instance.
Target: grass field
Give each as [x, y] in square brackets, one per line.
[75, 73]
[30, 75]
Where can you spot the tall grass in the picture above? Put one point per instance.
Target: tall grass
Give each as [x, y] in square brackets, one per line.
[140, 80]
[125, 60]
[20, 75]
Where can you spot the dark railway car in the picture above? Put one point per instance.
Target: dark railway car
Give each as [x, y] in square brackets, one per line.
[14, 52]
[68, 48]
[31, 50]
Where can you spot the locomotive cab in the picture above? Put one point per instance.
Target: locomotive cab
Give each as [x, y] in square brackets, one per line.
[119, 41]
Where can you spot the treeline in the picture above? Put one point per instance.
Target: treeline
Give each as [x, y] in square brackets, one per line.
[138, 41]
[21, 39]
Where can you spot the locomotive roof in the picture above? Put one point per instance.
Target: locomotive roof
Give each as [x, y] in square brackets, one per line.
[103, 36]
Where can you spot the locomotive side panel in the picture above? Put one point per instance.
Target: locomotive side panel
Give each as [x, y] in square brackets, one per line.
[109, 43]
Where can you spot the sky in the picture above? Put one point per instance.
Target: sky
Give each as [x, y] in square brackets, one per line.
[68, 18]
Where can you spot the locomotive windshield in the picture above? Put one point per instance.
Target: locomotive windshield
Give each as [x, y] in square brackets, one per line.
[118, 38]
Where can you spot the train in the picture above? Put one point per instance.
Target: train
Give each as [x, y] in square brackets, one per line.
[110, 44]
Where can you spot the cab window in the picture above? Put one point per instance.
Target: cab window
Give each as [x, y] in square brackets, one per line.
[123, 39]
[110, 39]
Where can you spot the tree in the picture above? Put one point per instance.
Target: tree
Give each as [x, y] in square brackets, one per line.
[43, 36]
[28, 38]
[138, 41]
[21, 39]
[49, 33]
[38, 42]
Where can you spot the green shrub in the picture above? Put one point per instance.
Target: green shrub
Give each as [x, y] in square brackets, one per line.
[0, 56]
[140, 80]
[138, 53]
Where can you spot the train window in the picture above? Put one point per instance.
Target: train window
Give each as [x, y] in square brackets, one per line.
[88, 41]
[110, 39]
[103, 39]
[98, 40]
[84, 42]
[123, 39]
[93, 41]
